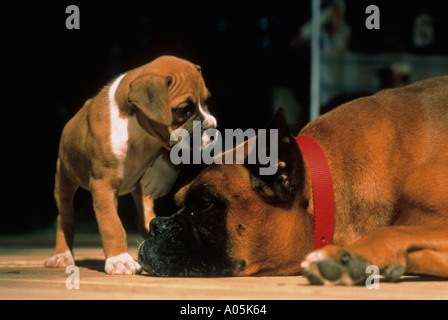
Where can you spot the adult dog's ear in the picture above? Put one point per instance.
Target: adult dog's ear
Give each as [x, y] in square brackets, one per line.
[149, 92]
[281, 187]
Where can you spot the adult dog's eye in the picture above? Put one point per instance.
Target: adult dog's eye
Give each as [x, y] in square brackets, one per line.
[203, 204]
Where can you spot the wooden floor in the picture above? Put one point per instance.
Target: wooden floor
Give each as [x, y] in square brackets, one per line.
[22, 276]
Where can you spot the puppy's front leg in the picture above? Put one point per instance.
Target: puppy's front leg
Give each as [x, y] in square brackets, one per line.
[113, 235]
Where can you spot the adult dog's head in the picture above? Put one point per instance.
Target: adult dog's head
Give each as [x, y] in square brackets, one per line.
[234, 221]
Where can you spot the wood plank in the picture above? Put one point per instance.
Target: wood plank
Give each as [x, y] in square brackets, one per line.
[22, 276]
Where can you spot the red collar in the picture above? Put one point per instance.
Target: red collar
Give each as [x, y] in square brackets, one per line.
[323, 192]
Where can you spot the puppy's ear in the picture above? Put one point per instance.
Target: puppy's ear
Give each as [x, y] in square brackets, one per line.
[281, 187]
[149, 92]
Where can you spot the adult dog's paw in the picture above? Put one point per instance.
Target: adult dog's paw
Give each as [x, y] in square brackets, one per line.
[332, 265]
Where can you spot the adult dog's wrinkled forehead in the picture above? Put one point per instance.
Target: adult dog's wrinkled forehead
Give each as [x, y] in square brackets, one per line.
[214, 179]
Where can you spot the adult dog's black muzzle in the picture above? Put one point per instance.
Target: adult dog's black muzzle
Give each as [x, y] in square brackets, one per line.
[172, 249]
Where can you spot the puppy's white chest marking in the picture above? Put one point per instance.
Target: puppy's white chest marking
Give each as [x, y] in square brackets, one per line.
[118, 128]
[122, 129]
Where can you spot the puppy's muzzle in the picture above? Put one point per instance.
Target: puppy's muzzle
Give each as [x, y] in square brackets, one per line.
[208, 123]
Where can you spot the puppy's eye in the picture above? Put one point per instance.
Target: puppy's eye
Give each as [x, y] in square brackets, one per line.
[185, 111]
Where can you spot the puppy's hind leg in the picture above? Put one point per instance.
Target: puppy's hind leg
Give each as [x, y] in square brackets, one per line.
[64, 192]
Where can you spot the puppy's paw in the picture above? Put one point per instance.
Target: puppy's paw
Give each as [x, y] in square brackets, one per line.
[335, 266]
[122, 264]
[60, 260]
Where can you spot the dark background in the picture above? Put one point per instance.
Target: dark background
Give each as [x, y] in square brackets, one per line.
[244, 49]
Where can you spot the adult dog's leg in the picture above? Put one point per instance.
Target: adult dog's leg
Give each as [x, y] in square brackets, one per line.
[393, 249]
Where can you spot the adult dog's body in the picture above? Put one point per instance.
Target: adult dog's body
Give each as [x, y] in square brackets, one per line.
[388, 156]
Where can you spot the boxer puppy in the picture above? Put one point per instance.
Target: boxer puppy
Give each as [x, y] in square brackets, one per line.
[119, 143]
[388, 155]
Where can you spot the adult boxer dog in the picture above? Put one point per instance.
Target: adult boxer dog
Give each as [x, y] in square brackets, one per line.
[388, 156]
[119, 143]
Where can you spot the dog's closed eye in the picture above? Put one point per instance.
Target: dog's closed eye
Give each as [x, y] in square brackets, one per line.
[204, 203]
[201, 199]
[200, 204]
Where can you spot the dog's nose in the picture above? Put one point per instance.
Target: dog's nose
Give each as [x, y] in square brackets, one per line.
[164, 225]
[158, 225]
[209, 122]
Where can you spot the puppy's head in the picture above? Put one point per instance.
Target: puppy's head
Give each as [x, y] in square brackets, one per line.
[232, 221]
[167, 94]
